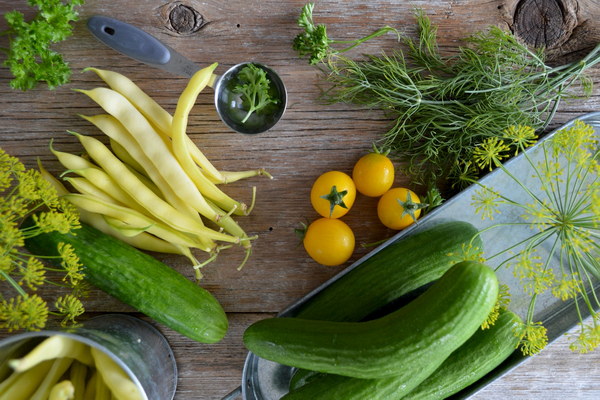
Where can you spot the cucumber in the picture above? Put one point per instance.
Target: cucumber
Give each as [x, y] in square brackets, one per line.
[395, 271]
[483, 352]
[399, 271]
[414, 338]
[479, 355]
[141, 281]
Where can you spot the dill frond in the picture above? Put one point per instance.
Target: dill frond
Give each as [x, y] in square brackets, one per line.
[24, 193]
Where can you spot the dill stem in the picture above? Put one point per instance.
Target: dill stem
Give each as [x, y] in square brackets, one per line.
[357, 42]
[13, 283]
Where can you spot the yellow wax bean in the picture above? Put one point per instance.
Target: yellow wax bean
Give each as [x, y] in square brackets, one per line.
[116, 131]
[144, 103]
[111, 187]
[180, 120]
[142, 241]
[62, 391]
[124, 155]
[77, 375]
[58, 368]
[119, 107]
[84, 186]
[102, 389]
[234, 176]
[20, 385]
[55, 346]
[161, 230]
[156, 114]
[90, 386]
[159, 208]
[58, 186]
[115, 378]
[71, 161]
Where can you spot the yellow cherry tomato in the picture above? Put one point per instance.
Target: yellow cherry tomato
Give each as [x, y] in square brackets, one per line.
[333, 194]
[399, 208]
[373, 174]
[329, 241]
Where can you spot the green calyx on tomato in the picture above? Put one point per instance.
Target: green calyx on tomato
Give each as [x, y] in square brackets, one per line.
[409, 207]
[399, 207]
[335, 198]
[333, 194]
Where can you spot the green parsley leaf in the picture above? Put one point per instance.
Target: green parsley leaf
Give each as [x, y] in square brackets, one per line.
[254, 87]
[29, 56]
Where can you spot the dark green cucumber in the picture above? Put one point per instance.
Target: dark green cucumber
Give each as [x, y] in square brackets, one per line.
[398, 272]
[415, 337]
[391, 273]
[141, 281]
[479, 355]
[483, 352]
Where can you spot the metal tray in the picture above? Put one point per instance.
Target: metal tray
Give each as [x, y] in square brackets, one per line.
[266, 380]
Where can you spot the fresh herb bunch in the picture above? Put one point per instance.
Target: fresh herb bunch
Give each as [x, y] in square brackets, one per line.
[255, 89]
[315, 43]
[564, 215]
[29, 56]
[25, 194]
[443, 107]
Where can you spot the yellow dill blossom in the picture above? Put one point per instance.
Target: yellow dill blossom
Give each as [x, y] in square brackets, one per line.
[69, 306]
[567, 287]
[33, 273]
[534, 339]
[468, 252]
[486, 202]
[521, 137]
[23, 312]
[24, 192]
[561, 205]
[490, 153]
[501, 304]
[70, 263]
[576, 143]
[588, 338]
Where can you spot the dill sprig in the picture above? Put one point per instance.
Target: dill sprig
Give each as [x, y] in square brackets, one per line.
[443, 107]
[563, 215]
[25, 193]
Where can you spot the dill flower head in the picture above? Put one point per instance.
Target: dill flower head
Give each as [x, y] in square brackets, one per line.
[24, 192]
[563, 212]
[490, 153]
[521, 137]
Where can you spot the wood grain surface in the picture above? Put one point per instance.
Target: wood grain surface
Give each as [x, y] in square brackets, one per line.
[311, 138]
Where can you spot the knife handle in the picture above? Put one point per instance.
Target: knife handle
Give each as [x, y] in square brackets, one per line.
[129, 40]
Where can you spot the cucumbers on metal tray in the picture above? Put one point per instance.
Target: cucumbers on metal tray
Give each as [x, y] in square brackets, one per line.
[413, 340]
[141, 281]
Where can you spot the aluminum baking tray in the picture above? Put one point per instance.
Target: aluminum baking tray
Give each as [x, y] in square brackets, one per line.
[266, 380]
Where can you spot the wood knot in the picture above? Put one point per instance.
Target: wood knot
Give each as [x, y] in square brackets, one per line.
[183, 19]
[565, 29]
[543, 23]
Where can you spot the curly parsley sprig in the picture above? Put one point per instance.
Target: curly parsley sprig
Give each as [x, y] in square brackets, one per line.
[315, 43]
[255, 88]
[24, 192]
[29, 57]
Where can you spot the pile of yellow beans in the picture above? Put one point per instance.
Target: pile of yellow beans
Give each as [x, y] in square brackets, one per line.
[151, 186]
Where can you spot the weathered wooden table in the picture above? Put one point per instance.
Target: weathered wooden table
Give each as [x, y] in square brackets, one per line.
[311, 139]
